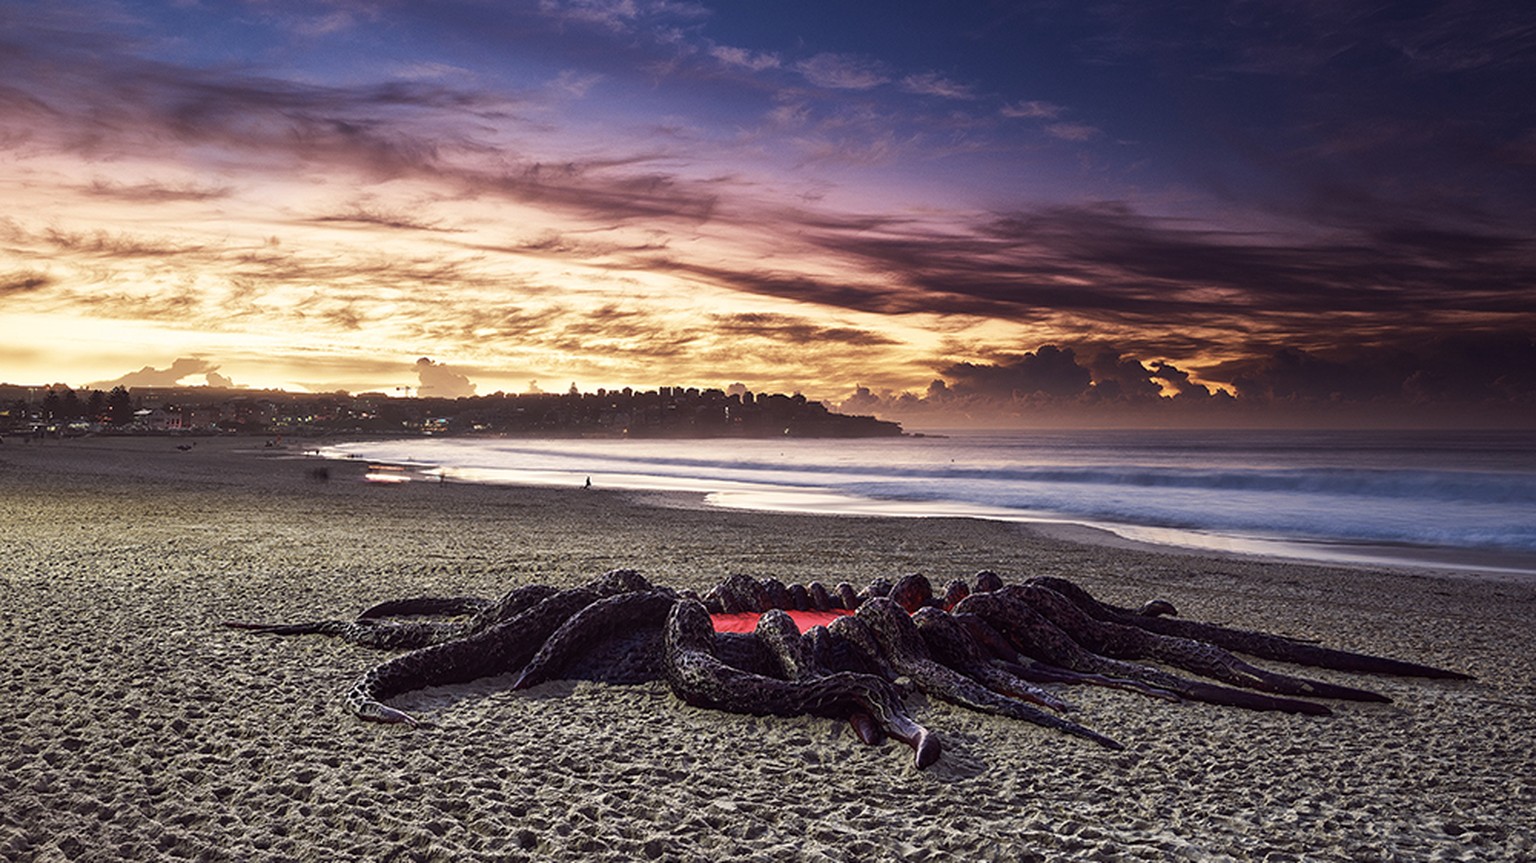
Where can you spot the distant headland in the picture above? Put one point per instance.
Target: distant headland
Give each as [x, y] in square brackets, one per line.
[679, 412]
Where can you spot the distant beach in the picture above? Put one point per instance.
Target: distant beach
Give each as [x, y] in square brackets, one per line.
[136, 728]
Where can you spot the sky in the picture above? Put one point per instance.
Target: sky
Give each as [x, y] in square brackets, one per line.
[1012, 213]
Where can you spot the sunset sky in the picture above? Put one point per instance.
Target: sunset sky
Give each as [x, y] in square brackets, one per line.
[1235, 212]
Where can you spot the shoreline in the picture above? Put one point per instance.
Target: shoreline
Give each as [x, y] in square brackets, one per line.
[1489, 563]
[138, 729]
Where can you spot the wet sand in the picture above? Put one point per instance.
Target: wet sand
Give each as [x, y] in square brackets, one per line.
[134, 727]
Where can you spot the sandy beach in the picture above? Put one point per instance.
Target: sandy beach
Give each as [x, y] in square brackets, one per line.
[135, 727]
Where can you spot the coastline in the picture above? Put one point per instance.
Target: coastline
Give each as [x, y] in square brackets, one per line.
[139, 729]
[753, 495]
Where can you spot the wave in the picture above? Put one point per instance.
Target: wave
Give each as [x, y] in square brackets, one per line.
[1430, 485]
[1383, 493]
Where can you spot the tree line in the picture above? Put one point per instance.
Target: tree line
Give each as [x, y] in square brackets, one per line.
[62, 404]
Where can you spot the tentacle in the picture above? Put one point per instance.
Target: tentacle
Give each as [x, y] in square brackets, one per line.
[1006, 657]
[698, 677]
[714, 601]
[847, 597]
[821, 600]
[616, 581]
[878, 587]
[743, 650]
[1130, 642]
[742, 594]
[775, 594]
[597, 622]
[808, 655]
[1261, 644]
[912, 592]
[502, 648]
[380, 634]
[778, 632]
[1157, 608]
[951, 645]
[1040, 672]
[860, 641]
[426, 606]
[988, 581]
[799, 597]
[1035, 636]
[510, 604]
[955, 591]
[900, 642]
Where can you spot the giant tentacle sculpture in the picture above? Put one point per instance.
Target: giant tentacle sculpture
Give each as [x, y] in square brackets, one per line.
[984, 645]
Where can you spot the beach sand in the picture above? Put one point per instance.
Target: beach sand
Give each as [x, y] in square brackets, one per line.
[135, 727]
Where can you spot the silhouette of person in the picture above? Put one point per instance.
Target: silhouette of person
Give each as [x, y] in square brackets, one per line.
[589, 483]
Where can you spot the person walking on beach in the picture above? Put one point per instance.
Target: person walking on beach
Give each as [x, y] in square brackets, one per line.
[589, 483]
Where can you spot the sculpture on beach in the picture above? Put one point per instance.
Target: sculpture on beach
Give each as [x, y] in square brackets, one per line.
[984, 645]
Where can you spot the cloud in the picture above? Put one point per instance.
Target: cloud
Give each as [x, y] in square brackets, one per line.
[105, 104]
[156, 193]
[1120, 377]
[439, 381]
[1050, 371]
[367, 217]
[1496, 367]
[1033, 110]
[575, 84]
[102, 244]
[795, 330]
[843, 72]
[1454, 381]
[1178, 381]
[1072, 131]
[1127, 271]
[614, 15]
[756, 61]
[934, 84]
[24, 281]
[172, 375]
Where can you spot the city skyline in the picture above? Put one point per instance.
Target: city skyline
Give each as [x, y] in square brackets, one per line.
[997, 213]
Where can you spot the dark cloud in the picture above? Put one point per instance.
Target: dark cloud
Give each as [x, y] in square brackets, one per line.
[102, 244]
[1490, 368]
[1049, 371]
[365, 217]
[1132, 273]
[1178, 380]
[795, 330]
[23, 281]
[1453, 380]
[439, 381]
[156, 193]
[171, 376]
[1120, 377]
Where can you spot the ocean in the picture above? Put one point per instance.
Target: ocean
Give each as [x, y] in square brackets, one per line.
[1448, 500]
